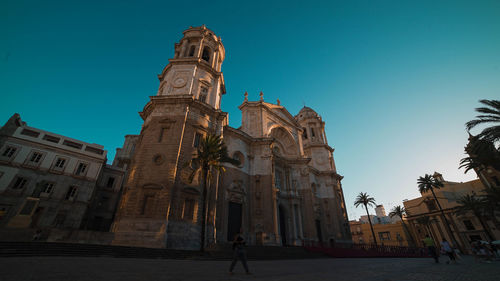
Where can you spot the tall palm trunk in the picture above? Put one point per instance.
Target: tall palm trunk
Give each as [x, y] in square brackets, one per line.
[371, 226]
[484, 225]
[204, 208]
[411, 241]
[431, 233]
[446, 223]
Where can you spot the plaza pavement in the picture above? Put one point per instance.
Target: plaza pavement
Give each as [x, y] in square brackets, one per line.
[122, 269]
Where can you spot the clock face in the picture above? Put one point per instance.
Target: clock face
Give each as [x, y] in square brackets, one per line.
[179, 82]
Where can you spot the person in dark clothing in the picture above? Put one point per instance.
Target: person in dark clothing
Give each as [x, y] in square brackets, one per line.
[239, 253]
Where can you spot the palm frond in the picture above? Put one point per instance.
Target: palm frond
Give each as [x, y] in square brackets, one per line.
[472, 203]
[364, 199]
[490, 114]
[470, 163]
[397, 211]
[491, 103]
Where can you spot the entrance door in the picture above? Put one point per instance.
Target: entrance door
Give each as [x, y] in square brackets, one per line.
[36, 217]
[234, 220]
[282, 226]
[318, 230]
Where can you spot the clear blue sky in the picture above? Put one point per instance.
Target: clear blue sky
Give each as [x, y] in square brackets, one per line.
[394, 80]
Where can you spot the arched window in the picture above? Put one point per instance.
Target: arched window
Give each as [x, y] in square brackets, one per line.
[312, 132]
[314, 190]
[191, 51]
[240, 157]
[206, 54]
[305, 133]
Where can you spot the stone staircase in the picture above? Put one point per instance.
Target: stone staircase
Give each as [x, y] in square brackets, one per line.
[26, 249]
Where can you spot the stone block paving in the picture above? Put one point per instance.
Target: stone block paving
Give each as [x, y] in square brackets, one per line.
[122, 269]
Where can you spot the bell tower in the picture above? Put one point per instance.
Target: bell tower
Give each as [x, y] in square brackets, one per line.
[160, 206]
[314, 139]
[195, 68]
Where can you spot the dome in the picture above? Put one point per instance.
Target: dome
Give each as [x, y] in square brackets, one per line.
[306, 112]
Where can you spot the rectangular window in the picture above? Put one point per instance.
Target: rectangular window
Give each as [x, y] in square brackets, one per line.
[71, 194]
[163, 135]
[384, 236]
[35, 157]
[147, 205]
[73, 144]
[9, 151]
[19, 183]
[189, 210]
[203, 94]
[468, 225]
[48, 187]
[60, 163]
[81, 170]
[197, 139]
[51, 138]
[398, 236]
[111, 182]
[30, 133]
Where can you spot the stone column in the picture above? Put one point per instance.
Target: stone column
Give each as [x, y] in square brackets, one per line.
[183, 48]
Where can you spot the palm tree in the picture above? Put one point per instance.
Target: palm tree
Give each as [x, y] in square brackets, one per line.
[211, 153]
[477, 206]
[365, 199]
[489, 114]
[429, 183]
[400, 212]
[482, 153]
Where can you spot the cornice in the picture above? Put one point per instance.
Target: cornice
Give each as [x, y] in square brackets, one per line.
[181, 99]
[291, 121]
[311, 145]
[194, 61]
[330, 172]
[55, 149]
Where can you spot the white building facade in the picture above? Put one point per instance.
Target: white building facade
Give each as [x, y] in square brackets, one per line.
[46, 180]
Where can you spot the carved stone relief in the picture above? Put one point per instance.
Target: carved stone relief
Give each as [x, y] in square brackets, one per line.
[236, 192]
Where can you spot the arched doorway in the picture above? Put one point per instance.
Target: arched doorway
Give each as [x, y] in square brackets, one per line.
[234, 220]
[318, 230]
[282, 225]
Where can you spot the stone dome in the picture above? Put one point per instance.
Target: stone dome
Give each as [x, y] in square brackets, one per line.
[306, 113]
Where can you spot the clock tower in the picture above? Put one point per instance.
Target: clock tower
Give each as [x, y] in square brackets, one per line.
[159, 206]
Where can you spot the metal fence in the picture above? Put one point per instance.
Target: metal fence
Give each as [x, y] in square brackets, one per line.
[345, 250]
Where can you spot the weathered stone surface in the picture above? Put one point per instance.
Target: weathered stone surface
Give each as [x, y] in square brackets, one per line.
[286, 190]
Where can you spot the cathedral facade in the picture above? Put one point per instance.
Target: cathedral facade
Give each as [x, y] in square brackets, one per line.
[285, 191]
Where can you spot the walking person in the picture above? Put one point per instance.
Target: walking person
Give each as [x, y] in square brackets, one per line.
[431, 246]
[446, 248]
[239, 253]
